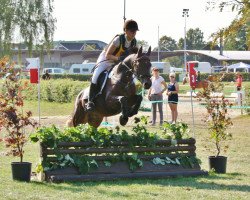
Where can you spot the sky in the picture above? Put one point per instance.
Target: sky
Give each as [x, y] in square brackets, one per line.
[103, 19]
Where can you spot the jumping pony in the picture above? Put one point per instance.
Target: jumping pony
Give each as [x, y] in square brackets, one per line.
[118, 95]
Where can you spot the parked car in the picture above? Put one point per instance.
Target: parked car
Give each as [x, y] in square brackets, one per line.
[164, 67]
[84, 68]
[53, 70]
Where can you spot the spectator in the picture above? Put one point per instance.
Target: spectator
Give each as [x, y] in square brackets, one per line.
[155, 94]
[46, 76]
[238, 81]
[173, 90]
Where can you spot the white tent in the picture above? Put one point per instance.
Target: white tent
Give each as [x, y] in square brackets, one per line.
[175, 69]
[239, 66]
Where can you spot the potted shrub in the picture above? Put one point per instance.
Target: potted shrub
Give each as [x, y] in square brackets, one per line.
[218, 121]
[13, 119]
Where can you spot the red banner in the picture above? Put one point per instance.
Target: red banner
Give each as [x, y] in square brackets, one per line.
[192, 74]
[34, 75]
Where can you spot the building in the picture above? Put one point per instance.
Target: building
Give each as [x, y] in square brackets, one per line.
[64, 53]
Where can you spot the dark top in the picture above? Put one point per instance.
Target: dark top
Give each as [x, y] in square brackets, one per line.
[173, 98]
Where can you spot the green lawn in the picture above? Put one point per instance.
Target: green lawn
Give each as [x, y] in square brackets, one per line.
[233, 185]
[54, 108]
[49, 108]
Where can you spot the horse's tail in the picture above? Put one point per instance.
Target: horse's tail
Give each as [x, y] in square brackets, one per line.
[79, 114]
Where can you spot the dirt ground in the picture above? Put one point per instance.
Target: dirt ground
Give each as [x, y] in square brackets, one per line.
[184, 114]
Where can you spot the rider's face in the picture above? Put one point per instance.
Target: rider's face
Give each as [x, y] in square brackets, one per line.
[130, 34]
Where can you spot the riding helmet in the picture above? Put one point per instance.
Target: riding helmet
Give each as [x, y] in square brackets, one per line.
[130, 25]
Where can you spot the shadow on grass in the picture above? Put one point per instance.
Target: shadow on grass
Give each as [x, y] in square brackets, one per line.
[202, 182]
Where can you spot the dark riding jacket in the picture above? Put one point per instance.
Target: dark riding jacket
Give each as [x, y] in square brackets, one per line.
[122, 49]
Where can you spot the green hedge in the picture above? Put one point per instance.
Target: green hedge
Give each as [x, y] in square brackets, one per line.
[60, 90]
[75, 77]
[80, 77]
[247, 95]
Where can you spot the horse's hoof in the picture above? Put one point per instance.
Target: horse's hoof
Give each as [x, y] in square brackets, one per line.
[123, 120]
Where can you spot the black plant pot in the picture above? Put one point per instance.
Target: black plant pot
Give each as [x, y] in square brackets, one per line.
[218, 163]
[21, 171]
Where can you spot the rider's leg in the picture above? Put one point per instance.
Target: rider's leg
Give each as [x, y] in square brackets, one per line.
[93, 90]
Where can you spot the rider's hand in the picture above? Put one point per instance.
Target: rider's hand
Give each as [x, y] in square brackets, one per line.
[121, 58]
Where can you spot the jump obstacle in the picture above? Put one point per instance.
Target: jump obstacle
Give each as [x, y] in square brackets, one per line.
[120, 170]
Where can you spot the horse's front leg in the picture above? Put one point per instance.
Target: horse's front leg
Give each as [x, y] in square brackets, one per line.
[121, 101]
[137, 99]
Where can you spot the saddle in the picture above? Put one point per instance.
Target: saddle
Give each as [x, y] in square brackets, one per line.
[102, 79]
[101, 82]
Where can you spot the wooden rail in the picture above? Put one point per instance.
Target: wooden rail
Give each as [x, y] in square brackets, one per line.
[120, 170]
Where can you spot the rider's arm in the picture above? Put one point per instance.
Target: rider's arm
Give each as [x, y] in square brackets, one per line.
[110, 51]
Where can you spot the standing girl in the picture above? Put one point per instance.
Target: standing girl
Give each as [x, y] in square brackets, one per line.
[173, 90]
[155, 94]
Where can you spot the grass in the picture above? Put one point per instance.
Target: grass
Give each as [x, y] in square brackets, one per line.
[49, 108]
[233, 185]
[55, 108]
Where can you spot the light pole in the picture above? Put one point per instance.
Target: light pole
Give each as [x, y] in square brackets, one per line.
[124, 12]
[158, 45]
[185, 15]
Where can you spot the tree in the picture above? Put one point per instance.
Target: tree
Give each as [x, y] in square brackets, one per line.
[242, 19]
[194, 40]
[237, 40]
[143, 43]
[175, 61]
[29, 21]
[167, 44]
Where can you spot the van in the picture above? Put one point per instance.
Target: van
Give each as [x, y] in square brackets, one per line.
[217, 69]
[84, 68]
[164, 67]
[53, 70]
[203, 67]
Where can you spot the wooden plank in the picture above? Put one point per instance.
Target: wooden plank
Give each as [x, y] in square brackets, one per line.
[122, 168]
[89, 143]
[143, 157]
[100, 177]
[119, 150]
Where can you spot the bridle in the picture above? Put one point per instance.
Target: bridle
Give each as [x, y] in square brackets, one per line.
[135, 65]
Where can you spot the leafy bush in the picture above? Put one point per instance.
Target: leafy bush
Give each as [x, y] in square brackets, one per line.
[12, 117]
[217, 116]
[75, 77]
[247, 94]
[101, 137]
[61, 90]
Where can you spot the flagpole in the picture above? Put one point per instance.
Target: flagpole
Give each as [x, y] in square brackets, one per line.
[38, 91]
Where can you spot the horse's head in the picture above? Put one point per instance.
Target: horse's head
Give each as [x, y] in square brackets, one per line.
[141, 65]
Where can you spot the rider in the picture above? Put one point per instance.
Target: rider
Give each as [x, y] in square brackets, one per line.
[115, 51]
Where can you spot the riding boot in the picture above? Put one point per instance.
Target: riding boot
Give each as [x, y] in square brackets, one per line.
[92, 93]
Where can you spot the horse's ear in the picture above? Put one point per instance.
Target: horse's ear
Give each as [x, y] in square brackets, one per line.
[139, 53]
[149, 51]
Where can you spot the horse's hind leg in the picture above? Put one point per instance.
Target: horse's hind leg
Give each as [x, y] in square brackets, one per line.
[95, 119]
[80, 115]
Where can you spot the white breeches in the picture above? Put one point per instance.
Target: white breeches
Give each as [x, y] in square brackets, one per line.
[103, 65]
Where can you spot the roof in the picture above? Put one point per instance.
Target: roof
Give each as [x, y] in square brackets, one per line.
[79, 45]
[227, 55]
[239, 65]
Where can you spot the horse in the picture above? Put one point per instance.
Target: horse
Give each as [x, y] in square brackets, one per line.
[118, 94]
[205, 83]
